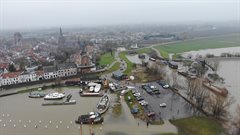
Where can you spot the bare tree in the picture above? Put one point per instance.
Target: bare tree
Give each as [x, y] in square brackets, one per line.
[215, 65]
[153, 68]
[237, 122]
[219, 106]
[196, 92]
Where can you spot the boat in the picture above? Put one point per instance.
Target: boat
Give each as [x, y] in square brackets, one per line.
[103, 104]
[36, 94]
[91, 118]
[54, 96]
[70, 102]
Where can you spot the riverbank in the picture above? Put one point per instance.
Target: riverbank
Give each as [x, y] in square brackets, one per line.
[198, 126]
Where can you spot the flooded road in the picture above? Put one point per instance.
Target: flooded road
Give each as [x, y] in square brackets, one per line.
[22, 115]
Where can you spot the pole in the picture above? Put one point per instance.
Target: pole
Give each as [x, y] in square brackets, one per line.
[81, 128]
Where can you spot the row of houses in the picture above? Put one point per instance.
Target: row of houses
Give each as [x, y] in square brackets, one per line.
[49, 72]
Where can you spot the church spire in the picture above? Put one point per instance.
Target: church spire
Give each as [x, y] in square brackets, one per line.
[61, 34]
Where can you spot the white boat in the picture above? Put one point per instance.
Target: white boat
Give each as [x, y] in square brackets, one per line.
[103, 104]
[54, 96]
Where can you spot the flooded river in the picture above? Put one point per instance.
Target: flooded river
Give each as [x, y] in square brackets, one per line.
[215, 52]
[229, 69]
[22, 115]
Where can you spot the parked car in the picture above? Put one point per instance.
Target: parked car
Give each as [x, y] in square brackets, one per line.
[163, 84]
[147, 89]
[139, 98]
[143, 103]
[155, 90]
[134, 110]
[151, 114]
[163, 105]
[134, 91]
[136, 94]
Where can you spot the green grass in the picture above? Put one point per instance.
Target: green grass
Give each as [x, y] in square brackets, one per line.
[112, 69]
[128, 71]
[106, 59]
[198, 126]
[133, 103]
[232, 40]
[144, 50]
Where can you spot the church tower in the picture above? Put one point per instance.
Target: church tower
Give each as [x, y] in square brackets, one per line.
[61, 39]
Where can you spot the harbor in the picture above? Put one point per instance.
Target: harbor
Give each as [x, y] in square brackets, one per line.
[60, 120]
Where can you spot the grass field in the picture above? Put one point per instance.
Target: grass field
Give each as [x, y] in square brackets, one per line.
[144, 50]
[232, 40]
[113, 68]
[106, 58]
[197, 126]
[122, 55]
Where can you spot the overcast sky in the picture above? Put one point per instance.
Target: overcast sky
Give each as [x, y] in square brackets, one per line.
[55, 13]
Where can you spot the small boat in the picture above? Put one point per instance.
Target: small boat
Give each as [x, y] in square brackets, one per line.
[103, 104]
[70, 102]
[91, 118]
[54, 96]
[36, 94]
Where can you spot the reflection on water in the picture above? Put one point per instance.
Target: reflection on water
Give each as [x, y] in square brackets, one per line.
[22, 115]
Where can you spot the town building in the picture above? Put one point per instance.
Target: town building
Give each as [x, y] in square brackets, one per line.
[50, 72]
[66, 69]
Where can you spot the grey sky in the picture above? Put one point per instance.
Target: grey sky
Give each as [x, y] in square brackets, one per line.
[48, 13]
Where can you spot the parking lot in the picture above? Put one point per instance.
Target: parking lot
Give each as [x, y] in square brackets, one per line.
[176, 107]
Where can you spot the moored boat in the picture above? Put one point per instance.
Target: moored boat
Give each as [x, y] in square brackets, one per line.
[103, 104]
[36, 94]
[91, 118]
[54, 96]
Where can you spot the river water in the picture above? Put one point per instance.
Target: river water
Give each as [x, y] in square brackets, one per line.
[229, 69]
[216, 52]
[19, 115]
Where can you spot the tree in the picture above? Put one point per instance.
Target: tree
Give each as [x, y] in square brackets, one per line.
[219, 106]
[215, 65]
[196, 92]
[11, 68]
[237, 123]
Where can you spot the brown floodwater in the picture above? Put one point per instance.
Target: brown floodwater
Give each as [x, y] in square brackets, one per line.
[229, 69]
[20, 114]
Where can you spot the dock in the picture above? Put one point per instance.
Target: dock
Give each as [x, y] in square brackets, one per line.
[60, 103]
[4, 94]
[89, 94]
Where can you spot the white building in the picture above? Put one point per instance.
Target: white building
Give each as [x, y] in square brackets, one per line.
[67, 69]
[9, 78]
[50, 72]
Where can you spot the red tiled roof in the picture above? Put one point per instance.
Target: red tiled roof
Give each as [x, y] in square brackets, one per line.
[11, 75]
[39, 72]
[3, 65]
